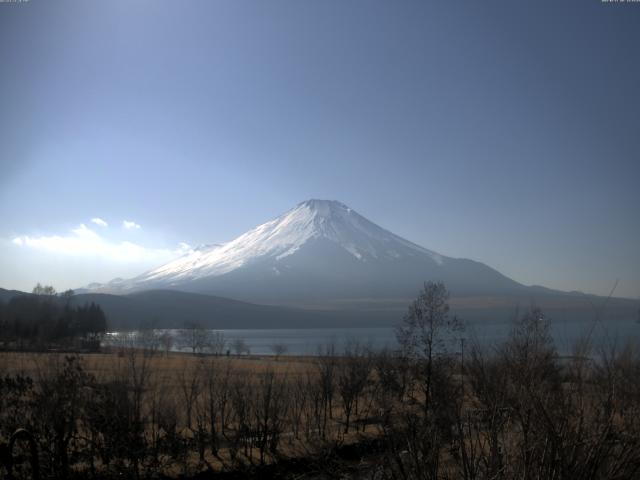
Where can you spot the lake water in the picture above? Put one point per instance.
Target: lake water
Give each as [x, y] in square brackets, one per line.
[310, 341]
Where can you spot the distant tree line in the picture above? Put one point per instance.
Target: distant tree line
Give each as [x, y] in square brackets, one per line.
[44, 318]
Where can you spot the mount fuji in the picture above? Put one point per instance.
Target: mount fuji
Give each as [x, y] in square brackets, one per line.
[323, 254]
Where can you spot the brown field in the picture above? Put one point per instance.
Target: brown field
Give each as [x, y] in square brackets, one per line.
[102, 365]
[145, 413]
[177, 383]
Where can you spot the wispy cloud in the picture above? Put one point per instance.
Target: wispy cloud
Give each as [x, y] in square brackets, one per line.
[130, 225]
[85, 242]
[184, 248]
[99, 221]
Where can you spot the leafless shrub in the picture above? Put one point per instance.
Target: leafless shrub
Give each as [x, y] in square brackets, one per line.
[353, 372]
[326, 373]
[59, 400]
[278, 349]
[201, 340]
[269, 410]
[240, 347]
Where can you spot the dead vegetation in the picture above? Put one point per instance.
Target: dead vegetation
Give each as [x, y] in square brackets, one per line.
[428, 411]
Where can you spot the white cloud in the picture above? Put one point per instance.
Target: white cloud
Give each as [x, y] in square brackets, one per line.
[85, 242]
[184, 248]
[130, 225]
[99, 221]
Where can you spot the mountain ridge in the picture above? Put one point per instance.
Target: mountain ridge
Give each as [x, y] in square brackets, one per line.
[320, 250]
[176, 309]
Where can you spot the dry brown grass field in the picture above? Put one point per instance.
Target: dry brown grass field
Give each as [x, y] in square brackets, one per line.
[179, 385]
[518, 411]
[104, 364]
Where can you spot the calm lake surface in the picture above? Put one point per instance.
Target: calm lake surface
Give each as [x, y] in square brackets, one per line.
[310, 341]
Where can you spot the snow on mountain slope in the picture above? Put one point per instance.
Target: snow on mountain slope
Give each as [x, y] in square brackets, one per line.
[317, 253]
[321, 256]
[283, 236]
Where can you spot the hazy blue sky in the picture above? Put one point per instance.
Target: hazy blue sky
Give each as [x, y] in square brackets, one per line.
[507, 132]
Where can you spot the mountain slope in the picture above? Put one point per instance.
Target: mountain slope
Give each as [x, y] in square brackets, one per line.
[319, 253]
[6, 295]
[175, 309]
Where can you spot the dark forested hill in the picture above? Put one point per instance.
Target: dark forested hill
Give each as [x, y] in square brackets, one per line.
[173, 309]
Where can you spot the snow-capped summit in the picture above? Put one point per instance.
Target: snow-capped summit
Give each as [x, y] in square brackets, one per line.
[279, 238]
[320, 249]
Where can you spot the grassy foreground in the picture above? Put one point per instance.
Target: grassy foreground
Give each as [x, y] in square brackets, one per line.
[515, 411]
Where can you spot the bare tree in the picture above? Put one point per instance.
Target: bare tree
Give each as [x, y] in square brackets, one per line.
[148, 339]
[269, 410]
[299, 403]
[326, 366]
[216, 342]
[59, 402]
[218, 374]
[240, 347]
[352, 375]
[393, 375]
[166, 340]
[189, 382]
[425, 332]
[44, 290]
[195, 337]
[279, 349]
[239, 436]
